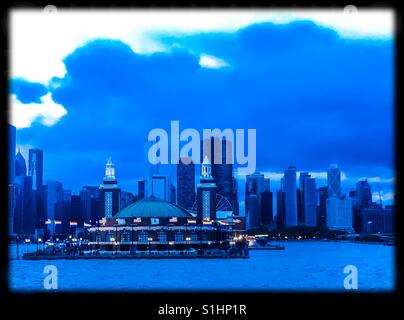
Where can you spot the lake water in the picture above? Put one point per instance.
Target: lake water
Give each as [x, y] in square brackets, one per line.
[302, 266]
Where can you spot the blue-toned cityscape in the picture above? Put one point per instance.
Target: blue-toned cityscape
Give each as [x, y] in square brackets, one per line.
[313, 192]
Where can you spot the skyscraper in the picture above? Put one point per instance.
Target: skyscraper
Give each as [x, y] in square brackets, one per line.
[186, 183]
[161, 187]
[363, 194]
[309, 201]
[221, 159]
[151, 169]
[322, 207]
[35, 171]
[334, 181]
[289, 184]
[280, 206]
[11, 153]
[35, 168]
[110, 193]
[141, 188]
[54, 205]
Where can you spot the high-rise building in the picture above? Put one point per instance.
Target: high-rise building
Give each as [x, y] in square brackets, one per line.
[309, 201]
[66, 210]
[363, 194]
[127, 198]
[280, 207]
[220, 154]
[54, 205]
[377, 219]
[161, 187]
[35, 168]
[267, 207]
[206, 193]
[289, 184]
[334, 181]
[186, 183]
[322, 207]
[35, 171]
[11, 152]
[110, 193]
[151, 168]
[253, 203]
[300, 198]
[339, 213]
[141, 188]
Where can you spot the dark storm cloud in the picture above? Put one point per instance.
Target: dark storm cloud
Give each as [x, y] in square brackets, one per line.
[313, 97]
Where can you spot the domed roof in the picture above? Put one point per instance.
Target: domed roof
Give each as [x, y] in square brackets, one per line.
[152, 207]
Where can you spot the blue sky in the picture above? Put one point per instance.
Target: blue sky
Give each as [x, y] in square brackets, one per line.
[314, 96]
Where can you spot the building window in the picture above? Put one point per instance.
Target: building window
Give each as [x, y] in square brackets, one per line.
[108, 204]
[194, 236]
[179, 237]
[162, 236]
[98, 238]
[142, 236]
[109, 237]
[206, 204]
[124, 237]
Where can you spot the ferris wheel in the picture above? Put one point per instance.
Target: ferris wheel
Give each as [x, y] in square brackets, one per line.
[222, 204]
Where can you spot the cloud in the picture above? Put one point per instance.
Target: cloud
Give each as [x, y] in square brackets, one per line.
[27, 92]
[47, 112]
[50, 37]
[207, 61]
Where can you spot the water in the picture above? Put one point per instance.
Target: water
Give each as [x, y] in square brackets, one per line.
[302, 266]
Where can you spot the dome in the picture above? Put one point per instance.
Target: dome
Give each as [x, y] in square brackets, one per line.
[152, 207]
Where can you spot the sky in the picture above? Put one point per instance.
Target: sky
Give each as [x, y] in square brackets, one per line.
[318, 87]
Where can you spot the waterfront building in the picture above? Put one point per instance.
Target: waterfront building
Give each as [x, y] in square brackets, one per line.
[339, 213]
[156, 225]
[289, 185]
[377, 219]
[186, 183]
[66, 210]
[110, 193]
[334, 181]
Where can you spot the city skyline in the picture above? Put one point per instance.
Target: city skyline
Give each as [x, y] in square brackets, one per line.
[308, 110]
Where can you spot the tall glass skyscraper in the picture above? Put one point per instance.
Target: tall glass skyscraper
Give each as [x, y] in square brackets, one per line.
[35, 168]
[186, 183]
[334, 181]
[309, 201]
[289, 184]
